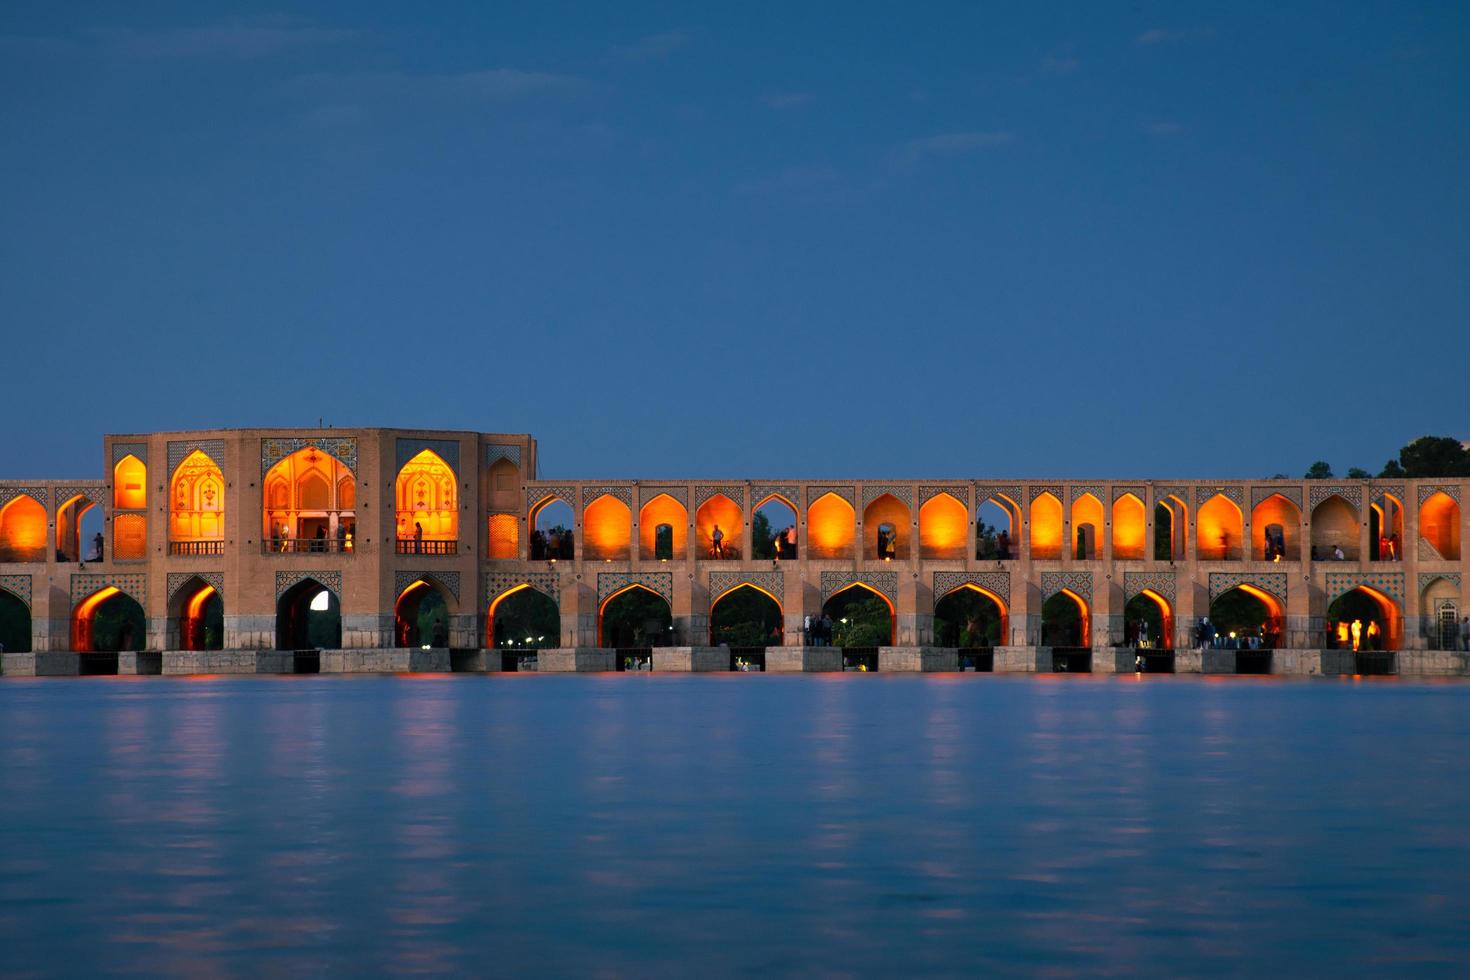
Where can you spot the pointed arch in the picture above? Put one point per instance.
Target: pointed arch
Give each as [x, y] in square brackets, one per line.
[1439, 525]
[663, 529]
[1130, 528]
[607, 529]
[421, 614]
[1378, 617]
[1171, 528]
[15, 622]
[309, 503]
[1138, 624]
[830, 523]
[308, 615]
[69, 517]
[944, 524]
[1087, 525]
[851, 590]
[426, 504]
[1335, 525]
[108, 620]
[23, 530]
[1276, 529]
[1002, 609]
[1066, 620]
[622, 632]
[1219, 528]
[129, 484]
[745, 632]
[1046, 527]
[196, 500]
[196, 615]
[886, 524]
[523, 609]
[719, 511]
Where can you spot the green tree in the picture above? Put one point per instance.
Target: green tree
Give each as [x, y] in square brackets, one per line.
[746, 618]
[762, 537]
[1435, 456]
[1358, 473]
[868, 623]
[1392, 468]
[527, 613]
[1320, 470]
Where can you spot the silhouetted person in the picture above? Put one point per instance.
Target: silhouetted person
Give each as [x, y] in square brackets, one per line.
[718, 537]
[97, 547]
[1003, 545]
[418, 538]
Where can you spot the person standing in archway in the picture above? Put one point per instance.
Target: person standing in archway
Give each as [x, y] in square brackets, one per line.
[718, 537]
[418, 538]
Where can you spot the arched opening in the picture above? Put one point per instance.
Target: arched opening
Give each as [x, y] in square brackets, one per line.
[523, 618]
[15, 624]
[551, 531]
[1386, 529]
[970, 617]
[503, 537]
[1171, 523]
[1335, 530]
[1130, 528]
[426, 500]
[1065, 621]
[943, 525]
[1363, 619]
[1087, 517]
[745, 616]
[79, 530]
[1246, 617]
[773, 529]
[886, 529]
[107, 621]
[309, 504]
[662, 529]
[1219, 525]
[1274, 530]
[1046, 527]
[1439, 525]
[633, 618]
[830, 521]
[196, 518]
[198, 615]
[505, 477]
[717, 526]
[421, 617]
[1440, 602]
[1148, 622]
[861, 617]
[23, 530]
[308, 616]
[607, 529]
[996, 521]
[129, 484]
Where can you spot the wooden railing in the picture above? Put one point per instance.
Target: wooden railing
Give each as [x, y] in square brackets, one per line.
[196, 547]
[411, 546]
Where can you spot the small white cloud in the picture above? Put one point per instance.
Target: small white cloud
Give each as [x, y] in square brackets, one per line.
[651, 47]
[789, 100]
[947, 144]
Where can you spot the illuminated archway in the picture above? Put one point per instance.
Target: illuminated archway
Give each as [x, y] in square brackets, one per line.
[308, 616]
[971, 616]
[773, 529]
[309, 503]
[1378, 621]
[1439, 525]
[1386, 529]
[523, 617]
[607, 528]
[943, 525]
[886, 529]
[551, 522]
[1248, 610]
[1218, 530]
[197, 613]
[745, 616]
[1148, 619]
[129, 484]
[1046, 527]
[997, 528]
[1171, 524]
[15, 623]
[23, 530]
[196, 524]
[634, 616]
[1275, 530]
[861, 617]
[720, 512]
[79, 530]
[830, 522]
[1130, 528]
[421, 616]
[1335, 526]
[106, 621]
[1087, 524]
[1066, 621]
[662, 510]
[426, 503]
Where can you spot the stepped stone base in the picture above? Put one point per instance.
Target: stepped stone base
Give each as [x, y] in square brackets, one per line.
[925, 660]
[691, 659]
[809, 660]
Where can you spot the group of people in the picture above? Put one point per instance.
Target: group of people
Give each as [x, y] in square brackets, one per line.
[284, 542]
[1388, 547]
[887, 542]
[1355, 635]
[816, 631]
[1001, 549]
[1207, 637]
[554, 543]
[783, 545]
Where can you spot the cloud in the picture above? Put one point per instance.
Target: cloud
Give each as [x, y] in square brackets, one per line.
[1161, 128]
[237, 39]
[1053, 65]
[947, 144]
[789, 100]
[652, 47]
[1157, 35]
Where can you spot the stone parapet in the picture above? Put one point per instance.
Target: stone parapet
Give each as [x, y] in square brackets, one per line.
[1015, 660]
[1433, 663]
[579, 660]
[809, 660]
[43, 663]
[691, 659]
[925, 660]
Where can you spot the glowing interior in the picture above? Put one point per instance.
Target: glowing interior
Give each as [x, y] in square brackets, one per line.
[1087, 511]
[427, 495]
[69, 526]
[307, 490]
[1166, 615]
[830, 521]
[886, 509]
[129, 484]
[1439, 524]
[23, 530]
[1335, 525]
[1218, 526]
[943, 526]
[197, 500]
[662, 509]
[1130, 528]
[725, 512]
[129, 537]
[81, 618]
[1046, 527]
[607, 527]
[505, 532]
[1276, 509]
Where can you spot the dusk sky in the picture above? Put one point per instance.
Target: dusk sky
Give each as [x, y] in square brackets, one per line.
[853, 239]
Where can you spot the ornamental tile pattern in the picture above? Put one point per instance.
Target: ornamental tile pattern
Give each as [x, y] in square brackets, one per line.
[179, 449]
[1272, 582]
[96, 495]
[446, 449]
[1235, 495]
[134, 584]
[272, 451]
[1452, 490]
[959, 493]
[1082, 489]
[1426, 579]
[984, 493]
[681, 494]
[39, 494]
[1076, 582]
[1161, 582]
[703, 495]
[18, 586]
[1182, 493]
[329, 580]
[900, 491]
[1427, 551]
[625, 494]
[138, 449]
[536, 495]
[1389, 583]
[177, 580]
[1352, 494]
[813, 494]
[1121, 491]
[788, 492]
[495, 453]
[499, 583]
[1294, 494]
[609, 583]
[997, 582]
[1038, 489]
[722, 582]
[1395, 490]
[884, 582]
[450, 581]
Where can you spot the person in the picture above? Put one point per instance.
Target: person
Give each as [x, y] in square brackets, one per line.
[418, 538]
[1142, 633]
[791, 541]
[718, 537]
[341, 536]
[1357, 631]
[1337, 554]
[1465, 633]
[1372, 634]
[806, 629]
[1393, 546]
[1003, 545]
[321, 538]
[97, 547]
[826, 630]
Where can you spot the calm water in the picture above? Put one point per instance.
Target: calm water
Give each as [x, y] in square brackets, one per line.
[636, 825]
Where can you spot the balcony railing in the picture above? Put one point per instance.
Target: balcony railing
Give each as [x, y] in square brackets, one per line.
[196, 547]
[303, 546]
[411, 546]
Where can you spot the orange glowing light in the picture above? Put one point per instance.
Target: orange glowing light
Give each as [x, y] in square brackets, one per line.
[722, 511]
[830, 522]
[662, 509]
[197, 500]
[23, 530]
[1130, 527]
[129, 537]
[943, 526]
[306, 493]
[505, 533]
[886, 510]
[1439, 524]
[607, 529]
[1087, 512]
[1046, 527]
[426, 499]
[1218, 528]
[1335, 525]
[81, 618]
[1275, 512]
[129, 484]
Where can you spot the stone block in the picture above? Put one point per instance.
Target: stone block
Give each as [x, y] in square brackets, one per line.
[1299, 663]
[375, 661]
[41, 663]
[1214, 661]
[926, 660]
[140, 662]
[579, 660]
[1018, 660]
[809, 660]
[183, 662]
[691, 659]
[1189, 661]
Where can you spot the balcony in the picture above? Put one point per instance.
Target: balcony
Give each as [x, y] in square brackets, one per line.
[412, 546]
[305, 546]
[196, 547]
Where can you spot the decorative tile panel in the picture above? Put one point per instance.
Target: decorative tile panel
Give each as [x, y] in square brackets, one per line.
[138, 449]
[884, 582]
[703, 495]
[495, 453]
[177, 580]
[788, 492]
[18, 586]
[1082, 489]
[97, 495]
[1426, 579]
[1395, 490]
[445, 449]
[1161, 582]
[997, 582]
[772, 582]
[40, 495]
[342, 449]
[535, 495]
[900, 491]
[813, 494]
[1272, 582]
[611, 582]
[1294, 494]
[499, 583]
[134, 584]
[1079, 583]
[1119, 492]
[1452, 490]
[960, 493]
[1038, 489]
[1162, 492]
[1352, 494]
[985, 492]
[179, 449]
[1235, 495]
[329, 580]
[625, 494]
[450, 581]
[1389, 583]
[681, 494]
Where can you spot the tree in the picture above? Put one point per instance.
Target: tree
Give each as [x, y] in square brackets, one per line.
[1435, 456]
[1358, 473]
[762, 538]
[1320, 470]
[1392, 468]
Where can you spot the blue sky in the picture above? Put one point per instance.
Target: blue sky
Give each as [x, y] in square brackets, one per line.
[761, 239]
